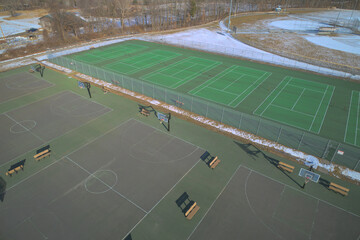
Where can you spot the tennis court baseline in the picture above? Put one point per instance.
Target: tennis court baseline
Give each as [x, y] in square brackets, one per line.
[352, 133]
[181, 72]
[142, 61]
[231, 86]
[298, 103]
[97, 55]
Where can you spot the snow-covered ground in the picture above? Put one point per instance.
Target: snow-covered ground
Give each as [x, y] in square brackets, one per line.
[12, 27]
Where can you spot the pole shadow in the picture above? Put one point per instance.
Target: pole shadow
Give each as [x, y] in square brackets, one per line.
[272, 161]
[128, 237]
[2, 189]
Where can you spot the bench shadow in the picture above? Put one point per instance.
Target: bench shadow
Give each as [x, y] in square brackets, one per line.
[184, 202]
[2, 189]
[148, 108]
[272, 161]
[325, 183]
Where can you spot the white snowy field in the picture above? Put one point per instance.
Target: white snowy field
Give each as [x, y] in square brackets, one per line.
[308, 24]
[12, 27]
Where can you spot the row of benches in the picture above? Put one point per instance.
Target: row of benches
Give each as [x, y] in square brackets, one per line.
[40, 154]
[332, 186]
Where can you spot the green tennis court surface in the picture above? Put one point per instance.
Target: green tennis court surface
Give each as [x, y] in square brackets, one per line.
[352, 134]
[140, 62]
[181, 72]
[231, 86]
[299, 103]
[114, 51]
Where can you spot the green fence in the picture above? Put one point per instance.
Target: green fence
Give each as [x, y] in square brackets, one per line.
[285, 135]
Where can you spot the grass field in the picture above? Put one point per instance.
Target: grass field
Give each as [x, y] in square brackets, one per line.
[115, 174]
[313, 103]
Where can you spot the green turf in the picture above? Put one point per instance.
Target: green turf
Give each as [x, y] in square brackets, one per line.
[299, 103]
[352, 135]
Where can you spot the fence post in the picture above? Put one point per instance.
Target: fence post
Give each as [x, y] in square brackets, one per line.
[207, 109]
[356, 164]
[240, 121]
[257, 130]
[192, 101]
[302, 136]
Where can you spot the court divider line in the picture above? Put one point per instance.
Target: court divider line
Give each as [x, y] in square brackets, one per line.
[305, 114]
[348, 118]
[327, 108]
[161, 199]
[118, 193]
[322, 99]
[297, 100]
[313, 222]
[61, 157]
[284, 79]
[222, 190]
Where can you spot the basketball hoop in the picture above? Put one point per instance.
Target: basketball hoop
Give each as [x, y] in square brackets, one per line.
[162, 120]
[307, 179]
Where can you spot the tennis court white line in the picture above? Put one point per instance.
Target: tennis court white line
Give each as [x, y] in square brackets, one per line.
[298, 98]
[309, 89]
[319, 107]
[105, 184]
[233, 82]
[270, 94]
[222, 190]
[211, 80]
[274, 97]
[229, 93]
[347, 122]
[163, 69]
[306, 114]
[327, 108]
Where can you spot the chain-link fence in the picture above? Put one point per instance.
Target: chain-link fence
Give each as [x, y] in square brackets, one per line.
[285, 135]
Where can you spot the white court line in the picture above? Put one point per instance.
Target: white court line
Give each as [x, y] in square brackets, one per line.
[267, 75]
[347, 122]
[357, 120]
[313, 222]
[163, 69]
[309, 89]
[222, 190]
[224, 91]
[136, 205]
[327, 108]
[67, 154]
[302, 191]
[322, 99]
[271, 93]
[298, 98]
[42, 140]
[274, 98]
[306, 114]
[211, 80]
[160, 200]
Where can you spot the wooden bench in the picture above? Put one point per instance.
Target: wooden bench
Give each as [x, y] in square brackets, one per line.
[214, 162]
[337, 188]
[145, 112]
[192, 211]
[286, 167]
[15, 168]
[42, 153]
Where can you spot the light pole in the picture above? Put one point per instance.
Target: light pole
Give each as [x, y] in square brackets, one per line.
[229, 16]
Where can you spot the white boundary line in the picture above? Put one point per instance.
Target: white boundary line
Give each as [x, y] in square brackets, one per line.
[214, 201]
[284, 79]
[298, 98]
[305, 114]
[357, 120]
[322, 99]
[327, 108]
[124, 197]
[347, 122]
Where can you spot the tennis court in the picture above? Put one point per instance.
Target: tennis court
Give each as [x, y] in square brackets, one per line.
[231, 86]
[352, 134]
[181, 72]
[298, 103]
[142, 61]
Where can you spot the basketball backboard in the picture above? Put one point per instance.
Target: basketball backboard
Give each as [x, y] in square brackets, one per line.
[309, 175]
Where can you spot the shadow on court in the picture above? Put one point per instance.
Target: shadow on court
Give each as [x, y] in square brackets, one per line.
[254, 153]
[2, 189]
